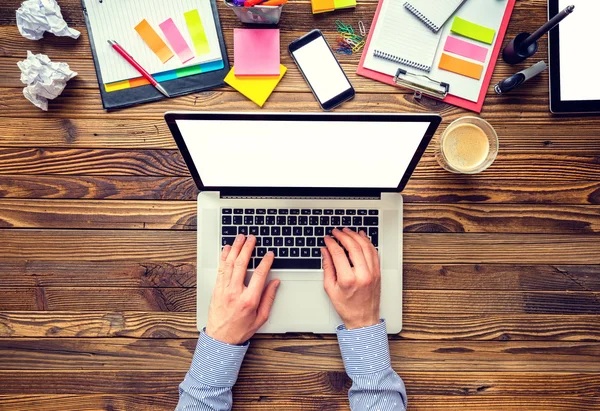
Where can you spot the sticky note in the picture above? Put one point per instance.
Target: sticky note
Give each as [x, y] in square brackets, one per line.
[473, 31]
[460, 66]
[176, 40]
[465, 49]
[256, 52]
[196, 29]
[321, 6]
[153, 40]
[256, 88]
[344, 4]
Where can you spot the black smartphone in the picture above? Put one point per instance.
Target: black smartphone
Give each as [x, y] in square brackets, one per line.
[321, 70]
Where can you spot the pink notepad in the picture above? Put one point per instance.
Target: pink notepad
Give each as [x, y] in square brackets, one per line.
[256, 52]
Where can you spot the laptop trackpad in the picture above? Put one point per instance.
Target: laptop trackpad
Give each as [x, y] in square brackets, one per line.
[300, 305]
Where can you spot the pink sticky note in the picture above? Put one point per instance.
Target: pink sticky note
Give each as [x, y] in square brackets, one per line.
[176, 40]
[256, 52]
[465, 49]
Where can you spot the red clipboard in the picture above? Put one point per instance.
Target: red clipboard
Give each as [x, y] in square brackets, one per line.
[457, 101]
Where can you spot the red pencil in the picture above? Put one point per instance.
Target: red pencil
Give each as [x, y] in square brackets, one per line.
[137, 66]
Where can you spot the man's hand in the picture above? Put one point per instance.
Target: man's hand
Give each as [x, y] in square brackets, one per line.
[354, 291]
[237, 311]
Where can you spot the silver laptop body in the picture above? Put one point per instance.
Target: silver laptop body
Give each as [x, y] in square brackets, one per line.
[320, 165]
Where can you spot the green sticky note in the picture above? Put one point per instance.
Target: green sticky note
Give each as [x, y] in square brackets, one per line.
[344, 4]
[196, 29]
[473, 31]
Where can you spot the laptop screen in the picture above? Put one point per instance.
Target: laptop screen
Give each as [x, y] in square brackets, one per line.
[304, 153]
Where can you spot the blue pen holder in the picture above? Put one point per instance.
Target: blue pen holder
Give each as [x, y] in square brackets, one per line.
[256, 14]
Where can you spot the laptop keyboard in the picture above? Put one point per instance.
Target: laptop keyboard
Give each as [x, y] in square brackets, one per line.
[294, 235]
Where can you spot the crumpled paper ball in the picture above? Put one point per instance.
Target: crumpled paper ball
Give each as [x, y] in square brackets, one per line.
[35, 17]
[45, 79]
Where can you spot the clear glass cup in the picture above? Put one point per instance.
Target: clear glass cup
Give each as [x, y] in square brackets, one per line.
[469, 145]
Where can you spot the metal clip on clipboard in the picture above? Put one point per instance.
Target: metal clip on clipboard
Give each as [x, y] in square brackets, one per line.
[421, 84]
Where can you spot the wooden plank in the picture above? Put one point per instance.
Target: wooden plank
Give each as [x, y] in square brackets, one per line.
[156, 273]
[170, 163]
[419, 403]
[174, 215]
[298, 355]
[77, 103]
[183, 188]
[416, 326]
[117, 245]
[317, 383]
[432, 302]
[154, 134]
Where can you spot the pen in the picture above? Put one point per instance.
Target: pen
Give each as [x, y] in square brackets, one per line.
[519, 78]
[137, 66]
[250, 3]
[550, 24]
[274, 2]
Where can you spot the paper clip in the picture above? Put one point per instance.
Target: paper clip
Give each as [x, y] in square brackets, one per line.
[343, 51]
[343, 28]
[361, 29]
[358, 46]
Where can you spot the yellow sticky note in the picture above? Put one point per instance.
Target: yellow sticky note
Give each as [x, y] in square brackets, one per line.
[256, 88]
[460, 66]
[321, 6]
[197, 33]
[344, 4]
[153, 40]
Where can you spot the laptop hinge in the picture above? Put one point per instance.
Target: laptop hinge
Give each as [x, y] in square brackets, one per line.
[302, 194]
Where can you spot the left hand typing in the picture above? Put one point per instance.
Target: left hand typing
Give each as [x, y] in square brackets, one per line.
[237, 311]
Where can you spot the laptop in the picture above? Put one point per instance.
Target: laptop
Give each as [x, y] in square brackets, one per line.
[289, 179]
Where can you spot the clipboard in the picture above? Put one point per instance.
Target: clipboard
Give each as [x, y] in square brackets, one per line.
[422, 84]
[211, 75]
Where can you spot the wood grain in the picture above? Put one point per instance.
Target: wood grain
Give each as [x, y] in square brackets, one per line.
[416, 326]
[174, 215]
[157, 163]
[321, 383]
[97, 248]
[307, 403]
[183, 188]
[298, 355]
[431, 302]
[180, 246]
[154, 134]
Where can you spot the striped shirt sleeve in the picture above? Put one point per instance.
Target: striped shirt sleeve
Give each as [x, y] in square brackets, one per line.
[366, 355]
[214, 371]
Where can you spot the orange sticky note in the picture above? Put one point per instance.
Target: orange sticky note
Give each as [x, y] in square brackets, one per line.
[321, 6]
[460, 66]
[153, 40]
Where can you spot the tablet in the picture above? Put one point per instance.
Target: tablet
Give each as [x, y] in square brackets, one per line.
[575, 58]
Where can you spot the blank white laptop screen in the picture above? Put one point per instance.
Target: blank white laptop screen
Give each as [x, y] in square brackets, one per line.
[359, 154]
[579, 58]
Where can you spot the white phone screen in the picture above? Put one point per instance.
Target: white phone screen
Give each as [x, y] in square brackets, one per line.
[321, 69]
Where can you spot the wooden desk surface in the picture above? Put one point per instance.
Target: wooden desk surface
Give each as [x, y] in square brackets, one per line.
[97, 249]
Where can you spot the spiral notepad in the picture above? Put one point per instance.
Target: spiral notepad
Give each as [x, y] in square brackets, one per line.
[434, 13]
[402, 38]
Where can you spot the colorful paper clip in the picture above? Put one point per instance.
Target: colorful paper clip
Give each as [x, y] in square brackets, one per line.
[350, 42]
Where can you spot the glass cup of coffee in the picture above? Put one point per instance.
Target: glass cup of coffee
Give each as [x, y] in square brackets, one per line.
[469, 145]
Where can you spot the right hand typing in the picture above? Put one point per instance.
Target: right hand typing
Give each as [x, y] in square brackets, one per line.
[354, 291]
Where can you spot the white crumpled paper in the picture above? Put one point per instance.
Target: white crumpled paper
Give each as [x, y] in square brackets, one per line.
[45, 79]
[34, 17]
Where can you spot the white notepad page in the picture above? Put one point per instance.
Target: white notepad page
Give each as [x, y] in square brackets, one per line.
[116, 20]
[399, 33]
[436, 11]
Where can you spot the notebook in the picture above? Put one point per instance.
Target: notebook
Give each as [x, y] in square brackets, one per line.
[256, 52]
[401, 38]
[175, 28]
[256, 88]
[434, 13]
[464, 89]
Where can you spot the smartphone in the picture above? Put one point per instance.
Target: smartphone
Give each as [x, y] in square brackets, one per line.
[321, 70]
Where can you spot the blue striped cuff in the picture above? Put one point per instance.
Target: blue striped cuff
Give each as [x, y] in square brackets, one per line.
[216, 363]
[364, 350]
